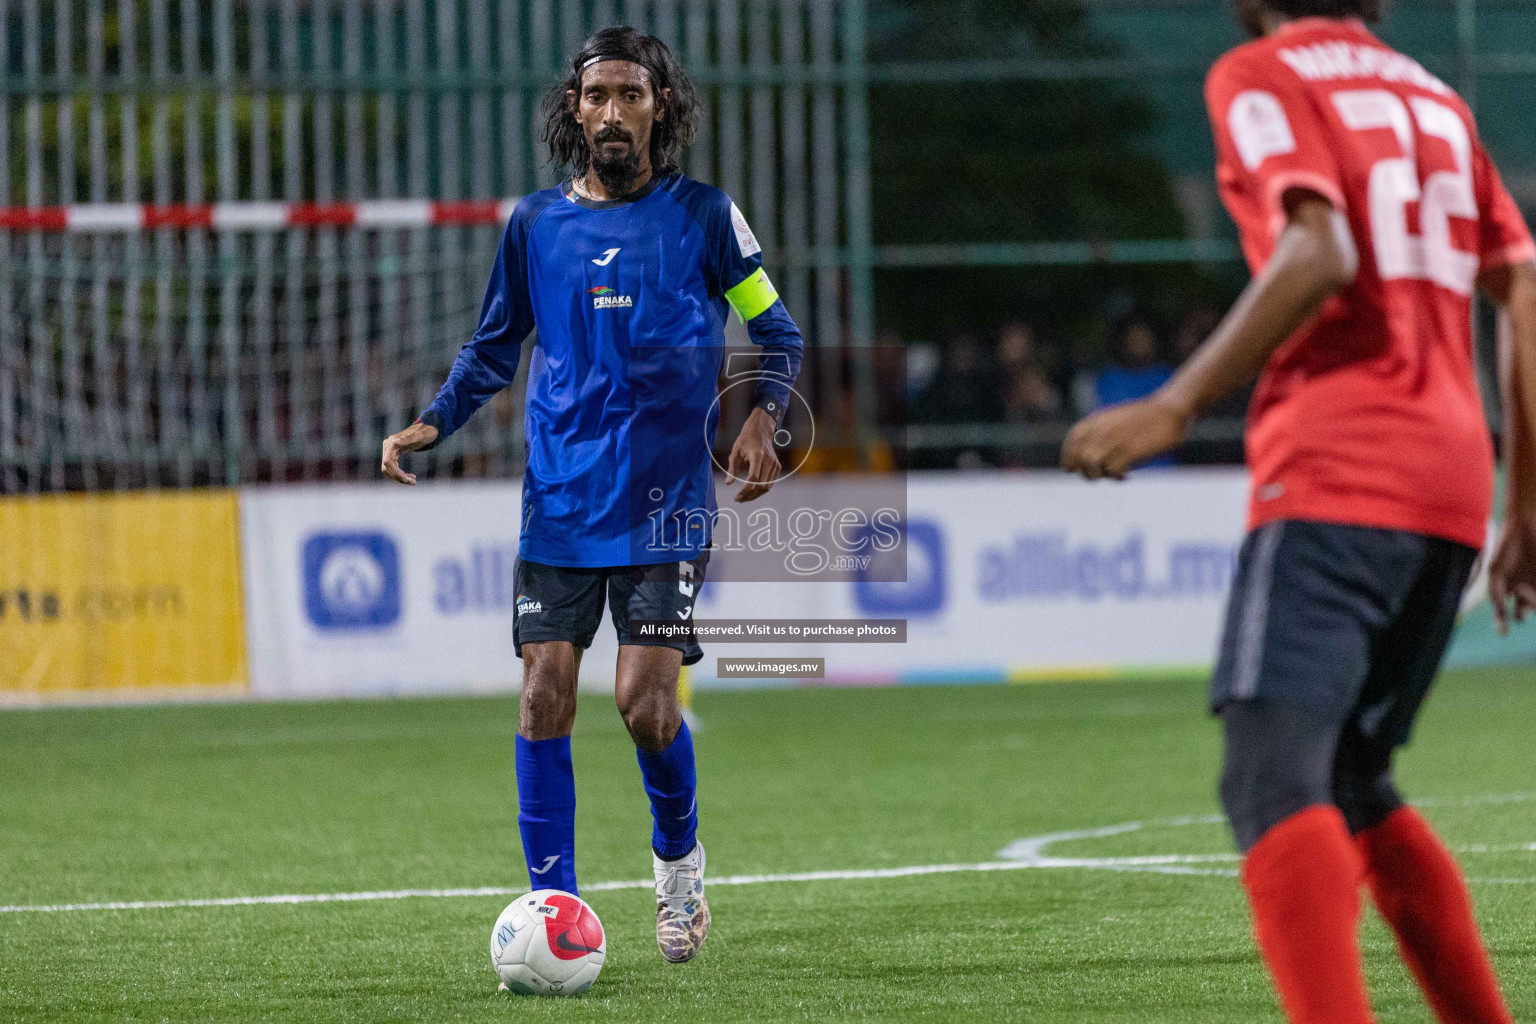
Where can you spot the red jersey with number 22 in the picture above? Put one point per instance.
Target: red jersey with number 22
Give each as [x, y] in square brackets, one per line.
[1369, 415]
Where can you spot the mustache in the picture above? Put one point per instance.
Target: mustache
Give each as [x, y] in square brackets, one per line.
[612, 134]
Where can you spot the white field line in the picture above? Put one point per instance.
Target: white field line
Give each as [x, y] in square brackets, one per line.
[252, 901]
[1023, 854]
[1031, 851]
[402, 894]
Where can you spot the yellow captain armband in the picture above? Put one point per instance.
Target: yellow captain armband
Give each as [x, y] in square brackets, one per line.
[752, 296]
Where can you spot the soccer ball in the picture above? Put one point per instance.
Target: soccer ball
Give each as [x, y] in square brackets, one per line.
[548, 943]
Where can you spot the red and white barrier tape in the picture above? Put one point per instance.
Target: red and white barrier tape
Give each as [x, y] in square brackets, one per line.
[123, 218]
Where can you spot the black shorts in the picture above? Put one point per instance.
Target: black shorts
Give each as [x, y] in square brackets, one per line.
[563, 603]
[1349, 621]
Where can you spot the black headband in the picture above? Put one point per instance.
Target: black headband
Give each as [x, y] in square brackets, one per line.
[659, 78]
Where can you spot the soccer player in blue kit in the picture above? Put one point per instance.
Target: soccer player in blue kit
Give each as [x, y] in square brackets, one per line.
[628, 271]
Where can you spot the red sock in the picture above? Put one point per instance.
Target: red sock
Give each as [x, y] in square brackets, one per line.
[1420, 891]
[1303, 879]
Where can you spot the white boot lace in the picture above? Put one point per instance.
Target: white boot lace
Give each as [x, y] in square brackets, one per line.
[678, 888]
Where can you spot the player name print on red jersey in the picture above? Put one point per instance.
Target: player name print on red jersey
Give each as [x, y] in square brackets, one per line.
[1370, 414]
[1332, 60]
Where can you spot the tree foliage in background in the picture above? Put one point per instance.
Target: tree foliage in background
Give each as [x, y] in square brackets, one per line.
[1010, 161]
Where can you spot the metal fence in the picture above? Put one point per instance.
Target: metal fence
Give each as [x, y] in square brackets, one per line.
[192, 354]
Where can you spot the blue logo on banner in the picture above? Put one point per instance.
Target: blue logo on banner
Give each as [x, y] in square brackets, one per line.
[923, 592]
[352, 580]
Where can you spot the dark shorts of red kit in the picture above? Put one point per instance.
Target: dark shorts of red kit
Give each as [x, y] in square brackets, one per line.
[556, 602]
[1350, 622]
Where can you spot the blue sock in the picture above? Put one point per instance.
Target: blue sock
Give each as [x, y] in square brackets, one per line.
[671, 785]
[546, 812]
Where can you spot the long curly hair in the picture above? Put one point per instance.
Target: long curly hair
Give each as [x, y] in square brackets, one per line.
[669, 137]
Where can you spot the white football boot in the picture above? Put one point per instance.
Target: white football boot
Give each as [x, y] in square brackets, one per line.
[682, 912]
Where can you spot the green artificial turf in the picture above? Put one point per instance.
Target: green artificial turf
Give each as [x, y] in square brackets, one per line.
[239, 800]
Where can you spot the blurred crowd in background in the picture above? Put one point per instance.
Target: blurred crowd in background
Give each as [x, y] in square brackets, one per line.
[1025, 375]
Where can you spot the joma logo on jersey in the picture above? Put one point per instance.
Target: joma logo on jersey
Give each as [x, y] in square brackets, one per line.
[603, 297]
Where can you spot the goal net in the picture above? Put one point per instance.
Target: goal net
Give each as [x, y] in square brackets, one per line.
[187, 356]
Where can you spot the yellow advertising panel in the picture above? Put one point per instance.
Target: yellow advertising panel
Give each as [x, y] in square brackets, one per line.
[120, 593]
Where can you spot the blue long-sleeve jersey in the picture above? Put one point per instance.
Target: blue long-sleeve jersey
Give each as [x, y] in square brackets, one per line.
[629, 298]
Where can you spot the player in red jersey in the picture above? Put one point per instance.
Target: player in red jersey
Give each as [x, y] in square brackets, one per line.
[1369, 212]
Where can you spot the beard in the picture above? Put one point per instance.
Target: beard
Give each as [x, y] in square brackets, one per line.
[617, 173]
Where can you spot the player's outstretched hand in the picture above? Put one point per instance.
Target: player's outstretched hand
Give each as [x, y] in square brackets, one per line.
[753, 460]
[1512, 574]
[1110, 442]
[413, 438]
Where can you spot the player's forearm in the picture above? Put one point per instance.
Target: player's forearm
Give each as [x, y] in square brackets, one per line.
[1517, 329]
[775, 332]
[488, 361]
[475, 379]
[760, 421]
[1313, 259]
[417, 437]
